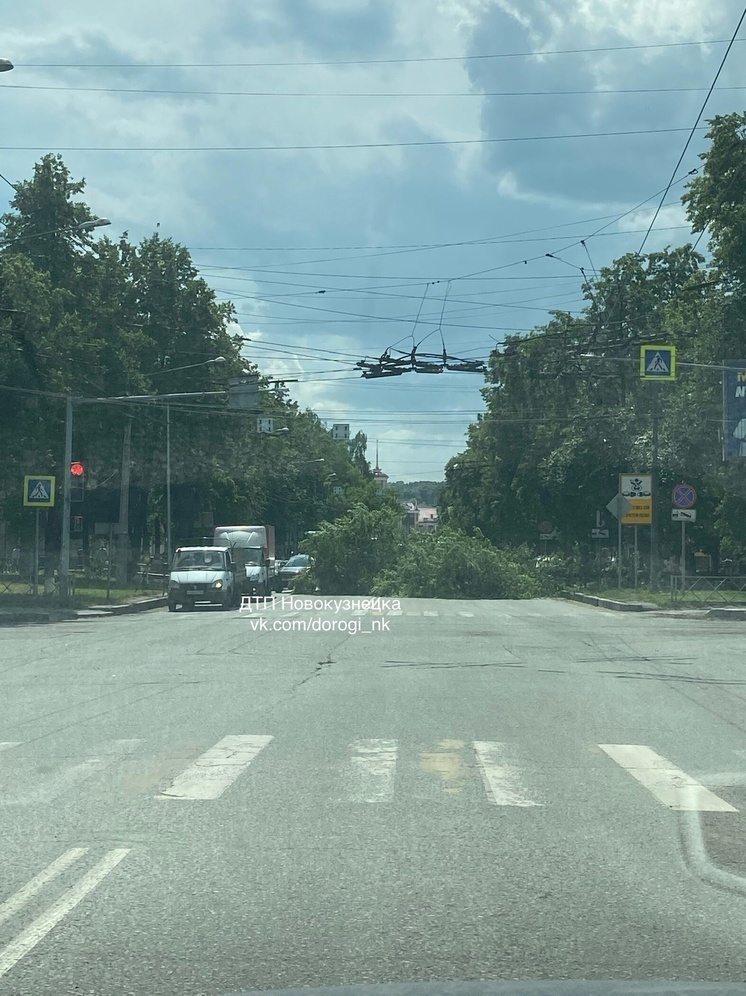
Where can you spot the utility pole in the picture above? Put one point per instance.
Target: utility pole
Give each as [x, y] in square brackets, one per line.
[65, 545]
[654, 497]
[123, 540]
[169, 552]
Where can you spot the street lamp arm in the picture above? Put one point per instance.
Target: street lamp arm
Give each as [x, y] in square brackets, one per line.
[84, 226]
[189, 366]
[149, 397]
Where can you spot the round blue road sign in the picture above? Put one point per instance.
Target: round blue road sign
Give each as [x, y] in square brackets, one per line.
[683, 496]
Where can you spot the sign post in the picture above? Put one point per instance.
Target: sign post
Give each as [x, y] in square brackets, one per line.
[38, 493]
[683, 497]
[619, 507]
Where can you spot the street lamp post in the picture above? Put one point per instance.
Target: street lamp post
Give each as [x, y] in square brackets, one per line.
[190, 366]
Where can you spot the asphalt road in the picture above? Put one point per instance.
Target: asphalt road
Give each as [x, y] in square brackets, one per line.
[487, 790]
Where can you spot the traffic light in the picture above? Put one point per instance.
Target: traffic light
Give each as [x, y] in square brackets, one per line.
[77, 481]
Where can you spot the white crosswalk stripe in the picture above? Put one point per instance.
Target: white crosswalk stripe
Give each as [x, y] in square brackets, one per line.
[372, 769]
[53, 785]
[669, 784]
[501, 779]
[216, 769]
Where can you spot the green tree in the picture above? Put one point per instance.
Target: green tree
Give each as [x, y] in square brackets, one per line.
[350, 552]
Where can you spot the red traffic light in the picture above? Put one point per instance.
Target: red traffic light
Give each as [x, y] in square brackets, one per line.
[77, 469]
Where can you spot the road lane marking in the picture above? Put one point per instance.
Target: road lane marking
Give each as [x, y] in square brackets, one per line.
[430, 613]
[467, 615]
[48, 920]
[19, 899]
[56, 783]
[394, 612]
[216, 769]
[669, 784]
[500, 779]
[373, 766]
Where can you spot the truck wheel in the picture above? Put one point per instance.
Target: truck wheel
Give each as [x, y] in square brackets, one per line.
[227, 602]
[171, 605]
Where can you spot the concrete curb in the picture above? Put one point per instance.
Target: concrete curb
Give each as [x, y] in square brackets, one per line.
[20, 617]
[609, 603]
[142, 605]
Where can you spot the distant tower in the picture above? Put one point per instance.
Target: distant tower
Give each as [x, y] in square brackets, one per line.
[379, 478]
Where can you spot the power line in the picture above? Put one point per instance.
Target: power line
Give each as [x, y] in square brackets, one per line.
[326, 95]
[366, 62]
[695, 127]
[349, 145]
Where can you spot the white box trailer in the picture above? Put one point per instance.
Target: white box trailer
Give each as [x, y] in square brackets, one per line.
[253, 551]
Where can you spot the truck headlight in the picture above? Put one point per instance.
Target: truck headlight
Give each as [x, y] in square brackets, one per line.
[217, 584]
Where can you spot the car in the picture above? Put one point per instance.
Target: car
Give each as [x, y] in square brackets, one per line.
[297, 564]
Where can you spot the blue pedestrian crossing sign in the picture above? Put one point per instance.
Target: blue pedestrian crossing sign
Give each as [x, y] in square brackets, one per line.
[38, 491]
[658, 362]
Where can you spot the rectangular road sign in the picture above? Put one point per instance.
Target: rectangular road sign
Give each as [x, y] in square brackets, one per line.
[684, 514]
[638, 490]
[658, 362]
[641, 513]
[38, 491]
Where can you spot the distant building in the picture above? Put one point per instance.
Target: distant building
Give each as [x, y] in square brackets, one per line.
[425, 518]
[380, 479]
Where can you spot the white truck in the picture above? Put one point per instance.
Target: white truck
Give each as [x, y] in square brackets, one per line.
[202, 574]
[252, 549]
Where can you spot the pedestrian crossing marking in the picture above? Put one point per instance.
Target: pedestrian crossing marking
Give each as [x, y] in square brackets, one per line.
[669, 784]
[501, 779]
[55, 784]
[372, 770]
[211, 774]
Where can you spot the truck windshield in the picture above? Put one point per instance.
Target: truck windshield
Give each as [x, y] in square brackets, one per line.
[198, 560]
[253, 555]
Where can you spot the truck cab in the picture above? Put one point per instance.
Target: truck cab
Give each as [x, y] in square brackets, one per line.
[202, 574]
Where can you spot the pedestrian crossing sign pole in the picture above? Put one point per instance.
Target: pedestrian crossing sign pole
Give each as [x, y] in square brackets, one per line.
[658, 362]
[38, 492]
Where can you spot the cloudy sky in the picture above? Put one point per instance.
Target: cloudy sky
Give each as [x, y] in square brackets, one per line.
[360, 174]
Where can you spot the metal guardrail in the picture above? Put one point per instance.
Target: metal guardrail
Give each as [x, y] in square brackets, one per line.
[708, 589]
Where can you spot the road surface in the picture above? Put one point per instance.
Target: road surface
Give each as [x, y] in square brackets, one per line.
[193, 804]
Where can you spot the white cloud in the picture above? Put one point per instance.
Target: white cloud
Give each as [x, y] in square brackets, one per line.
[271, 203]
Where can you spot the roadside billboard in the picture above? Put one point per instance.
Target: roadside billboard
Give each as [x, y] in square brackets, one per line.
[734, 409]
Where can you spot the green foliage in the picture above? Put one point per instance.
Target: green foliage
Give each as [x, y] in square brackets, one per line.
[425, 493]
[449, 564]
[351, 551]
[104, 319]
[560, 426]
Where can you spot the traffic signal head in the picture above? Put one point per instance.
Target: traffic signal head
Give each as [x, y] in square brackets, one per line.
[77, 481]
